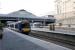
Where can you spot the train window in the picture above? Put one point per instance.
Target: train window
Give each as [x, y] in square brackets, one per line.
[16, 26]
[26, 25]
[37, 24]
[12, 26]
[7, 25]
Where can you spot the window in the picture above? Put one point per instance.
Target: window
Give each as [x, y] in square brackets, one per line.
[12, 26]
[74, 2]
[16, 25]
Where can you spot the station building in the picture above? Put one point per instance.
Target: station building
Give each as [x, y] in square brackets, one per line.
[65, 12]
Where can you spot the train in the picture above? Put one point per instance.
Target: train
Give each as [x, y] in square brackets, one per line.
[37, 25]
[20, 26]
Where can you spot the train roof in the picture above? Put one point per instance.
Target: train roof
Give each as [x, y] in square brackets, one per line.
[15, 22]
[24, 21]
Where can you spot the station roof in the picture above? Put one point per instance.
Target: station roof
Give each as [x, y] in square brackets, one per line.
[23, 14]
[3, 15]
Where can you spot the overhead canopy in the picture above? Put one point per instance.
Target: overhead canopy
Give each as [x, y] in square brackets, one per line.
[22, 13]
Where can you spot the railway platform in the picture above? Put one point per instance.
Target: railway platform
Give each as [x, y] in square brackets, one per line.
[16, 41]
[60, 31]
[62, 35]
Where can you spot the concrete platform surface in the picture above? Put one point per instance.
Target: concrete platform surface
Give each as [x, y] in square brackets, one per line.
[17, 41]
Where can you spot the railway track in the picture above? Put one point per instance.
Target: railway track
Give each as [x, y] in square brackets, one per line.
[58, 41]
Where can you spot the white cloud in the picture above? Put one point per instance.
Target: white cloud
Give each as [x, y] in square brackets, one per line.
[37, 7]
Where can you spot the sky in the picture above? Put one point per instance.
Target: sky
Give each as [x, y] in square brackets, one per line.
[37, 7]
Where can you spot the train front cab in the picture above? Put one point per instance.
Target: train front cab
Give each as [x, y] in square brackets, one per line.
[25, 28]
